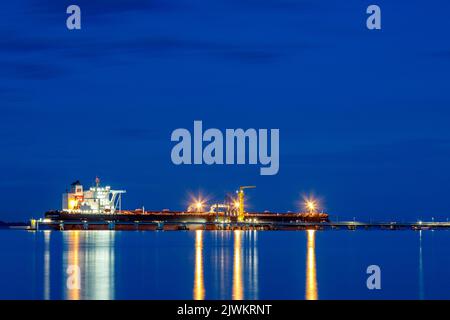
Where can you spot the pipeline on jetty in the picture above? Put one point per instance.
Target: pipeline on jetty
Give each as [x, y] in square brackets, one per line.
[191, 222]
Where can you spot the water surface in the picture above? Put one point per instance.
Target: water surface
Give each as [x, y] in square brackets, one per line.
[223, 264]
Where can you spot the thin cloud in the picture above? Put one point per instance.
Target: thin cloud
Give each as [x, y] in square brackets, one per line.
[29, 70]
[275, 4]
[17, 44]
[97, 8]
[395, 154]
[136, 133]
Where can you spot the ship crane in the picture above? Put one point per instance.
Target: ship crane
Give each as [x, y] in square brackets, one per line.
[116, 200]
[241, 198]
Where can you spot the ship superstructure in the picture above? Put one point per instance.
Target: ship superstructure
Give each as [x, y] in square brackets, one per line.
[96, 200]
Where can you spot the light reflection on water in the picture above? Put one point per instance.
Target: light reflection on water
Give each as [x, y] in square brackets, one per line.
[421, 280]
[199, 286]
[93, 253]
[311, 272]
[47, 235]
[223, 264]
[244, 267]
[71, 259]
[238, 290]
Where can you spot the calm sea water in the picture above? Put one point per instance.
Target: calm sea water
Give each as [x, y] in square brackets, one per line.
[223, 265]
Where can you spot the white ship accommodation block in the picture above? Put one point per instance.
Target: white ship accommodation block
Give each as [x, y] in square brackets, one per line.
[96, 200]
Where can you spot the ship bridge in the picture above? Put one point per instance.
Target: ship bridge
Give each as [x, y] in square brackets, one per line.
[97, 200]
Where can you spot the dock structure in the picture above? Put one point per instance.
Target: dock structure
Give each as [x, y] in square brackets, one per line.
[199, 222]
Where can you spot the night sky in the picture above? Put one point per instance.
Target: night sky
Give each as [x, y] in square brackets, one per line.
[363, 115]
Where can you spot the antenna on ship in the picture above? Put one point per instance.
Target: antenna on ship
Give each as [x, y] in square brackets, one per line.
[97, 181]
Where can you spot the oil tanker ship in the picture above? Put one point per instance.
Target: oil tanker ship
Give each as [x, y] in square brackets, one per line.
[100, 208]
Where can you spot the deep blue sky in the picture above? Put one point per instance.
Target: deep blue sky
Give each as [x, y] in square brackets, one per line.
[363, 115]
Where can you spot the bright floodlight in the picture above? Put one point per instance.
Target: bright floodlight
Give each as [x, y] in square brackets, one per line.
[199, 205]
[310, 205]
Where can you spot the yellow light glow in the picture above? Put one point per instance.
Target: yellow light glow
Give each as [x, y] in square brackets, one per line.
[73, 260]
[310, 204]
[199, 285]
[311, 273]
[72, 203]
[197, 203]
[238, 286]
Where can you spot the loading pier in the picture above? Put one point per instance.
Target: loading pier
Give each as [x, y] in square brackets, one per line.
[189, 222]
